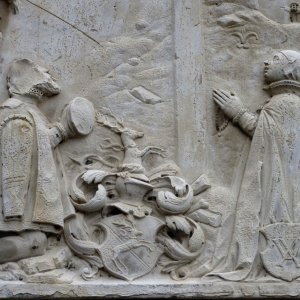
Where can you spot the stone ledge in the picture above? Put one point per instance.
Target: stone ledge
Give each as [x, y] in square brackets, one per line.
[105, 288]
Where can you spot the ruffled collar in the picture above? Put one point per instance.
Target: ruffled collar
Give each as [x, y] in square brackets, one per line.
[284, 86]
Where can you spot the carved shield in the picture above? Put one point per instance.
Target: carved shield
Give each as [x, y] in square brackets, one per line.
[282, 255]
[129, 249]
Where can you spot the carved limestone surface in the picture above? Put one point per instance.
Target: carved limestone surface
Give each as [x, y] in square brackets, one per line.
[150, 149]
[269, 187]
[33, 203]
[141, 219]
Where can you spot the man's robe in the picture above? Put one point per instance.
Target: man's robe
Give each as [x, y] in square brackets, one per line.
[31, 195]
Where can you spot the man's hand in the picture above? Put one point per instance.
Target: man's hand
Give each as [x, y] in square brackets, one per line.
[230, 104]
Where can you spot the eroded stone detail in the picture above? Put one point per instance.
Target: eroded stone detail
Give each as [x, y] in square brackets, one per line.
[33, 204]
[141, 217]
[150, 181]
[294, 12]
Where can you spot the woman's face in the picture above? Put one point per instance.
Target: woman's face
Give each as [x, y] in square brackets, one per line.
[273, 70]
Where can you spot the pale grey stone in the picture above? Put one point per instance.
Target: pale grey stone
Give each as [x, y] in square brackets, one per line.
[145, 95]
[230, 21]
[149, 148]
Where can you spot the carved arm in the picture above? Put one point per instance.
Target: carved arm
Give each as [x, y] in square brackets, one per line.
[17, 135]
[57, 134]
[247, 122]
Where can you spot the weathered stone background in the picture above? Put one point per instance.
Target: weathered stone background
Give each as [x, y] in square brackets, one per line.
[100, 50]
[179, 50]
[264, 28]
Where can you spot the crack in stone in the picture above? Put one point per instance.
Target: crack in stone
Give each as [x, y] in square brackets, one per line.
[66, 22]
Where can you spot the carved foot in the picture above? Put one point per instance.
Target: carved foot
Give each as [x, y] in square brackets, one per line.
[27, 244]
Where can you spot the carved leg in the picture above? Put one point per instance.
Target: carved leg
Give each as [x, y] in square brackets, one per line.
[26, 244]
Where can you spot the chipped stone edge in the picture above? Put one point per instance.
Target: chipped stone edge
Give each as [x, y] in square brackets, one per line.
[143, 289]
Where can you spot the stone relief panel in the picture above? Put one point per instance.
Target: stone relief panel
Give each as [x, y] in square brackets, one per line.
[250, 49]
[150, 141]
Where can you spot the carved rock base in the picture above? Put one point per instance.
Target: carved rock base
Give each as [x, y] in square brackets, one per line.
[143, 288]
